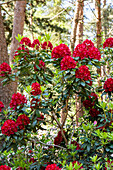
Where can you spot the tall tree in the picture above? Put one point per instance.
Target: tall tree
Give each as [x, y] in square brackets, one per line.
[74, 26]
[18, 28]
[18, 25]
[98, 29]
[79, 35]
[5, 91]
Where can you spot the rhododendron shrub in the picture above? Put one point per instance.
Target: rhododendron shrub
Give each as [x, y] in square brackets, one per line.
[17, 100]
[5, 167]
[5, 69]
[1, 106]
[50, 78]
[52, 167]
[9, 127]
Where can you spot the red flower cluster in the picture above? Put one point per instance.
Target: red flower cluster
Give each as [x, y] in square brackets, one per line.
[80, 51]
[32, 160]
[5, 167]
[36, 89]
[108, 85]
[4, 69]
[58, 139]
[75, 143]
[86, 50]
[67, 63]
[22, 120]
[93, 96]
[60, 51]
[109, 163]
[30, 151]
[41, 65]
[17, 100]
[40, 118]
[35, 43]
[94, 53]
[88, 44]
[26, 40]
[87, 104]
[1, 106]
[74, 162]
[108, 43]
[47, 45]
[34, 103]
[52, 167]
[9, 127]
[83, 73]
[25, 50]
[94, 112]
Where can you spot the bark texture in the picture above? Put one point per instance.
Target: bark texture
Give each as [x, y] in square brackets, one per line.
[5, 91]
[18, 25]
[79, 35]
[74, 26]
[98, 29]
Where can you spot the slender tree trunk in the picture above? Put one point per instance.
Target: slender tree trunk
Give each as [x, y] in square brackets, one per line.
[79, 40]
[18, 27]
[5, 91]
[74, 26]
[98, 29]
[79, 35]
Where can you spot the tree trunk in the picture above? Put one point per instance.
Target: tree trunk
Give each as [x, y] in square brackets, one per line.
[18, 27]
[75, 23]
[79, 35]
[98, 29]
[5, 91]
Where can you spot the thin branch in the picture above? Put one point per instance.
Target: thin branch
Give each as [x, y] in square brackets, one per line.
[72, 132]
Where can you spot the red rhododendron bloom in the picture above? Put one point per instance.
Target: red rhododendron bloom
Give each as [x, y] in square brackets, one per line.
[47, 45]
[108, 42]
[93, 96]
[5, 167]
[110, 164]
[4, 69]
[58, 139]
[74, 162]
[80, 51]
[24, 51]
[26, 40]
[9, 127]
[94, 112]
[22, 120]
[87, 104]
[108, 85]
[94, 53]
[30, 151]
[36, 89]
[88, 44]
[41, 65]
[1, 106]
[67, 63]
[17, 100]
[36, 44]
[83, 73]
[34, 103]
[60, 51]
[40, 118]
[52, 167]
[32, 160]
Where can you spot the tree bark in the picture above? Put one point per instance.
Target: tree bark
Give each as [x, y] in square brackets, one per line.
[5, 91]
[98, 29]
[79, 35]
[74, 26]
[18, 25]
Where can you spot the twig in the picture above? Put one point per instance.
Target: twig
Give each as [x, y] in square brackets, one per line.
[72, 132]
